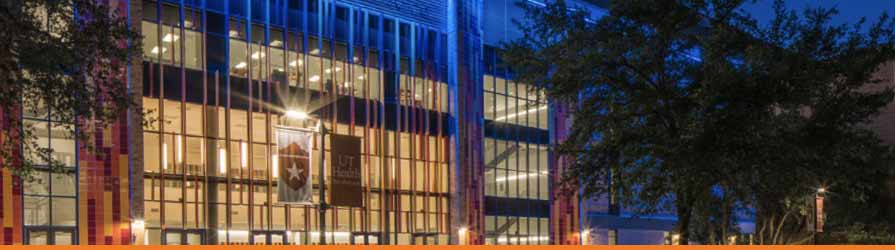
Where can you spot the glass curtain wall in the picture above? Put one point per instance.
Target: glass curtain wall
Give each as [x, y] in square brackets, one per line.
[50, 198]
[218, 79]
[516, 158]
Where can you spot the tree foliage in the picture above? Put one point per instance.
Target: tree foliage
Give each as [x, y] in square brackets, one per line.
[680, 99]
[63, 58]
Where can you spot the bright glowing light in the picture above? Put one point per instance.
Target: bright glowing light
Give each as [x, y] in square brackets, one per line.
[543, 107]
[337, 69]
[244, 154]
[257, 55]
[240, 65]
[461, 234]
[585, 233]
[276, 43]
[234, 33]
[821, 190]
[222, 160]
[327, 71]
[517, 177]
[314, 78]
[274, 166]
[178, 145]
[296, 63]
[155, 50]
[138, 225]
[360, 77]
[295, 114]
[170, 38]
[164, 156]
[315, 51]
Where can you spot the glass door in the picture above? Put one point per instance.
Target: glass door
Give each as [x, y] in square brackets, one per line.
[194, 238]
[357, 238]
[49, 236]
[173, 237]
[183, 237]
[37, 237]
[423, 239]
[268, 237]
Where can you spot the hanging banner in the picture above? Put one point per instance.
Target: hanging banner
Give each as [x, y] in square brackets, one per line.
[293, 166]
[346, 174]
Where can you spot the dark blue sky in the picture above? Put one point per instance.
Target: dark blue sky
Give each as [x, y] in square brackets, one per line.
[849, 10]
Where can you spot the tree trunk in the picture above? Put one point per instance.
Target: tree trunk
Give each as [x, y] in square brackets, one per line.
[683, 223]
[725, 219]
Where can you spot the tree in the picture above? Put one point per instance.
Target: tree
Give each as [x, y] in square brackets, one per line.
[679, 98]
[65, 56]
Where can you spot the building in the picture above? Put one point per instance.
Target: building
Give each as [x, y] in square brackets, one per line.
[454, 151]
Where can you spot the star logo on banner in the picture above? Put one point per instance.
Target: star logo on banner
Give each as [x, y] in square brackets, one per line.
[295, 172]
[294, 166]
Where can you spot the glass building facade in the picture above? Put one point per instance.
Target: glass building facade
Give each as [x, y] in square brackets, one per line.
[217, 77]
[516, 147]
[217, 80]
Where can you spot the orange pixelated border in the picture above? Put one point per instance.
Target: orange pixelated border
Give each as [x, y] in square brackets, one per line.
[456, 247]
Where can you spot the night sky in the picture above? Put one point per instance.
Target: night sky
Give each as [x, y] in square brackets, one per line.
[850, 11]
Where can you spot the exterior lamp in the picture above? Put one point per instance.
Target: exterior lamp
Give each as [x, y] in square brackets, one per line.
[138, 236]
[295, 114]
[461, 235]
[584, 234]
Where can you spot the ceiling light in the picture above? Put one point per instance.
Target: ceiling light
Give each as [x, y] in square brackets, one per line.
[314, 78]
[257, 55]
[276, 43]
[222, 160]
[274, 171]
[155, 50]
[240, 65]
[234, 33]
[244, 154]
[543, 107]
[170, 38]
[296, 63]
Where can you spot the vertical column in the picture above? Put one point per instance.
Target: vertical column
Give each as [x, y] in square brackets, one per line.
[135, 131]
[565, 228]
[464, 53]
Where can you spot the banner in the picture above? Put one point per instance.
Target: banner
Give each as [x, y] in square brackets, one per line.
[294, 166]
[346, 174]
